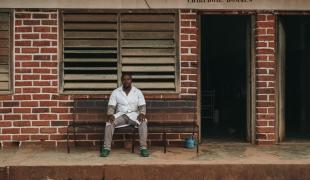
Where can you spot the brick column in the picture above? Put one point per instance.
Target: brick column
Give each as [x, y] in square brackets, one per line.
[265, 79]
[30, 109]
[189, 53]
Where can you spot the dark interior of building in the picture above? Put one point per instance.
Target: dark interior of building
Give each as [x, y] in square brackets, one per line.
[223, 73]
[297, 76]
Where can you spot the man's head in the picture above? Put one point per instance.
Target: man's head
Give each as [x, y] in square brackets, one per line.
[126, 80]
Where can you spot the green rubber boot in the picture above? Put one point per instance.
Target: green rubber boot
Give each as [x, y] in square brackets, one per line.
[144, 153]
[105, 153]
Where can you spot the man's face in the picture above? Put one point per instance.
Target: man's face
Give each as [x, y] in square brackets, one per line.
[126, 81]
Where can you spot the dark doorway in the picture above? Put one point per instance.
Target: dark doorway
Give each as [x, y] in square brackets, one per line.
[294, 43]
[225, 58]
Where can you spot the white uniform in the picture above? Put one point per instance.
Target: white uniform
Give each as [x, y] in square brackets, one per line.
[127, 104]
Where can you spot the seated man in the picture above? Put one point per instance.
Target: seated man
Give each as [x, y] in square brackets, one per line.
[129, 104]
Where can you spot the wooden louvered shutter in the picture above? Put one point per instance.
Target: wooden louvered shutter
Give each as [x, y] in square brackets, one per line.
[149, 49]
[90, 51]
[5, 52]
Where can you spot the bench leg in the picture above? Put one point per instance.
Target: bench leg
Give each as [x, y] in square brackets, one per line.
[74, 136]
[68, 144]
[133, 142]
[100, 143]
[165, 142]
[197, 150]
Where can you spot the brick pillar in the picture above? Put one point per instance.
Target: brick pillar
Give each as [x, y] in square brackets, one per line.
[265, 79]
[189, 53]
[35, 77]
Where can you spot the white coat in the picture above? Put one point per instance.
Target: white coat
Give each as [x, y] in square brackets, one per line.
[127, 104]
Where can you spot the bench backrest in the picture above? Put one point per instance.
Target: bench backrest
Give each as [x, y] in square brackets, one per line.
[158, 111]
[90, 111]
[171, 112]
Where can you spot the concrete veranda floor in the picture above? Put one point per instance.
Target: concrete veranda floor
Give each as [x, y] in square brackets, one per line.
[213, 153]
[218, 161]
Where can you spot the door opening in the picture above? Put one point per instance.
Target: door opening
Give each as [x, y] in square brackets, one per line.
[294, 55]
[225, 79]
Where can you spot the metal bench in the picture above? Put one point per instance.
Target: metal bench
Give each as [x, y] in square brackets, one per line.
[89, 115]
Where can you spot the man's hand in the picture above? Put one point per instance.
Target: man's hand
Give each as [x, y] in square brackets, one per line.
[141, 117]
[111, 118]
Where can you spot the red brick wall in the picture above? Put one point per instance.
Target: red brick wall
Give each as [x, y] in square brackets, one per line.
[265, 79]
[35, 112]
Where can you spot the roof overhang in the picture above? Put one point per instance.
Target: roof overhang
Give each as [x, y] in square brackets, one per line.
[302, 5]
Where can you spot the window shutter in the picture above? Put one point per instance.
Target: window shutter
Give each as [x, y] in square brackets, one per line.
[5, 52]
[90, 51]
[149, 49]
